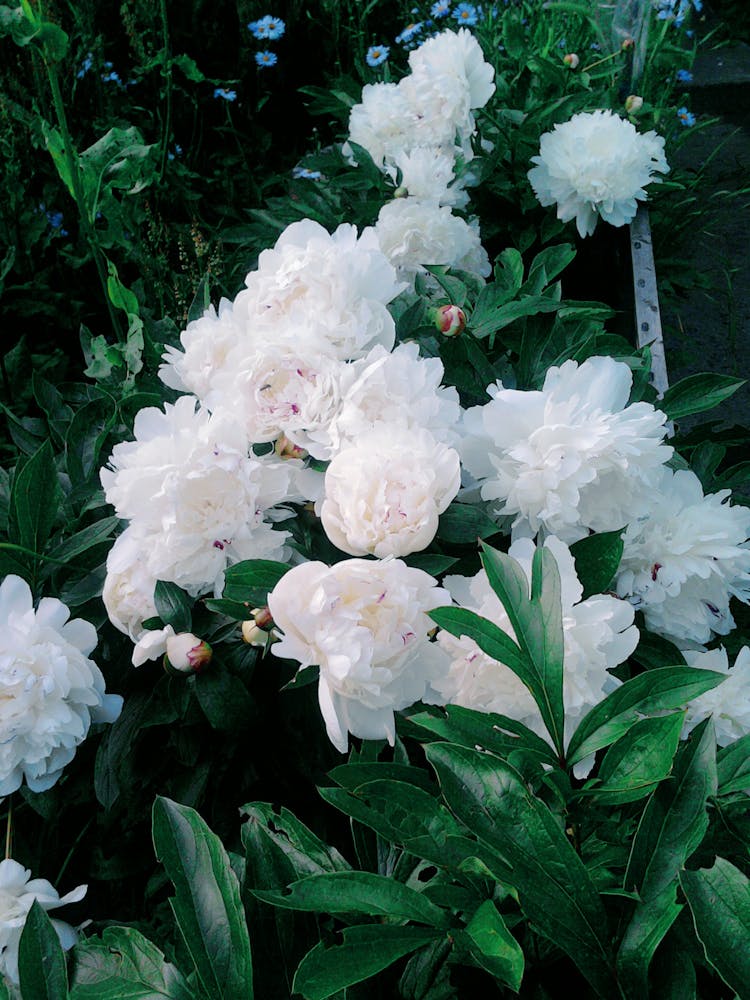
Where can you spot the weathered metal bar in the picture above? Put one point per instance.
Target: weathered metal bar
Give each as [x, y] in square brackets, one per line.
[647, 315]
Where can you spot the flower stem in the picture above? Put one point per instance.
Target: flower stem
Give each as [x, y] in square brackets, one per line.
[9, 828]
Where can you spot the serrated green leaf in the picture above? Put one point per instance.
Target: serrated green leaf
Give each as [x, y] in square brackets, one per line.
[554, 888]
[719, 900]
[357, 892]
[359, 952]
[124, 965]
[494, 947]
[207, 903]
[659, 690]
[41, 962]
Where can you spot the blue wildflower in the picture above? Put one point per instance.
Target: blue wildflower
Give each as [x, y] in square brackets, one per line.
[177, 151]
[54, 219]
[686, 117]
[86, 65]
[684, 76]
[268, 27]
[409, 33]
[465, 13]
[377, 54]
[306, 174]
[227, 95]
[264, 59]
[111, 77]
[440, 9]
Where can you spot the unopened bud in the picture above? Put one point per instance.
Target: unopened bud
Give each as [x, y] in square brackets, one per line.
[187, 654]
[285, 448]
[627, 43]
[633, 104]
[450, 320]
[262, 617]
[571, 60]
[253, 635]
[401, 192]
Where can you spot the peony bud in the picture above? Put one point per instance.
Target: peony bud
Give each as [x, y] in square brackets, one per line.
[450, 320]
[253, 635]
[285, 448]
[633, 104]
[571, 60]
[401, 192]
[187, 654]
[262, 617]
[627, 43]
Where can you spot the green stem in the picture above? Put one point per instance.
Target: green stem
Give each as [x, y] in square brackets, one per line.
[9, 828]
[78, 194]
[167, 125]
[69, 855]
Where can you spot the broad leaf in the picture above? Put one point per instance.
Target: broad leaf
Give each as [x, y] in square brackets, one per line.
[697, 393]
[464, 523]
[597, 558]
[494, 947]
[554, 888]
[207, 903]
[41, 962]
[643, 935]
[719, 900]
[638, 761]
[173, 606]
[357, 892]
[659, 690]
[733, 766]
[34, 499]
[359, 953]
[124, 965]
[251, 581]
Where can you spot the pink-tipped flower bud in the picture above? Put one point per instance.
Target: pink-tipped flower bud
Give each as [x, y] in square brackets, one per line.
[253, 635]
[187, 654]
[450, 320]
[285, 448]
[262, 617]
[633, 104]
[571, 60]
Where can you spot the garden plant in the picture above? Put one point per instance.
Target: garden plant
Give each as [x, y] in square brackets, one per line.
[371, 627]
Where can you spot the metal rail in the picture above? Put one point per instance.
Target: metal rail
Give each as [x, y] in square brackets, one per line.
[647, 315]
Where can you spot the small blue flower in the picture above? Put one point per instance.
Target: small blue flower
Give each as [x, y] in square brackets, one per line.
[308, 175]
[465, 13]
[440, 9]
[177, 151]
[111, 77]
[686, 117]
[268, 27]
[227, 95]
[409, 33]
[265, 59]
[54, 219]
[684, 76]
[86, 65]
[377, 54]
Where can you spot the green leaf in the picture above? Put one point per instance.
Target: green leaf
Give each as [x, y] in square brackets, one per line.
[719, 900]
[697, 393]
[359, 952]
[675, 819]
[353, 776]
[659, 690]
[597, 558]
[464, 523]
[546, 266]
[305, 853]
[639, 760]
[537, 624]
[224, 699]
[733, 766]
[251, 581]
[555, 889]
[35, 498]
[489, 637]
[173, 606]
[86, 538]
[357, 892]
[643, 935]
[189, 67]
[124, 965]
[494, 947]
[207, 903]
[41, 962]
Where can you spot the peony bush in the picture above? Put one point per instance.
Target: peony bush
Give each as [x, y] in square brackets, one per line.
[412, 603]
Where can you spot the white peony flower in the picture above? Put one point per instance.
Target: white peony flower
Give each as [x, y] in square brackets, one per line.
[128, 593]
[412, 234]
[426, 174]
[50, 691]
[382, 123]
[685, 555]
[194, 497]
[18, 891]
[596, 164]
[456, 55]
[321, 292]
[206, 343]
[383, 496]
[571, 457]
[365, 624]
[598, 635]
[728, 702]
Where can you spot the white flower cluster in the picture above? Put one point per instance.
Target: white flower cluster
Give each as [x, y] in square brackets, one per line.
[596, 164]
[416, 131]
[729, 702]
[18, 892]
[50, 691]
